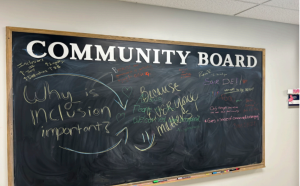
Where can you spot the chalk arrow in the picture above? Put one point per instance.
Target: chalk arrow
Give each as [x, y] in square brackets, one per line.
[125, 128]
[111, 148]
[89, 78]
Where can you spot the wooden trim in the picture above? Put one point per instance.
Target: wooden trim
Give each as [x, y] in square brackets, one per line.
[10, 152]
[263, 105]
[197, 175]
[9, 101]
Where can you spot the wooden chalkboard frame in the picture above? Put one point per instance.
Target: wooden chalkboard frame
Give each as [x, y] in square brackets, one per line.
[9, 91]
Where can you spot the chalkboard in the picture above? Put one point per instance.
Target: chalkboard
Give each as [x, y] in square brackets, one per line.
[91, 110]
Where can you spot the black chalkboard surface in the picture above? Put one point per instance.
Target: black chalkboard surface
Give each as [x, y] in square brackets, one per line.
[90, 110]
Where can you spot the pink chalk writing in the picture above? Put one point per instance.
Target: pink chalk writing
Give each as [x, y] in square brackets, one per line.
[231, 118]
[226, 109]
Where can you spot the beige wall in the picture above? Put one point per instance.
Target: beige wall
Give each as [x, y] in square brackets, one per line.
[134, 20]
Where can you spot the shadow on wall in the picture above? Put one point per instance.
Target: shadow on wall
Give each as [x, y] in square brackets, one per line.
[293, 107]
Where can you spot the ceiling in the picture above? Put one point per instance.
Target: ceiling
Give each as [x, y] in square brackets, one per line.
[284, 11]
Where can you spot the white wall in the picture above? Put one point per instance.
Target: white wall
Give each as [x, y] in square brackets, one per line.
[134, 20]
